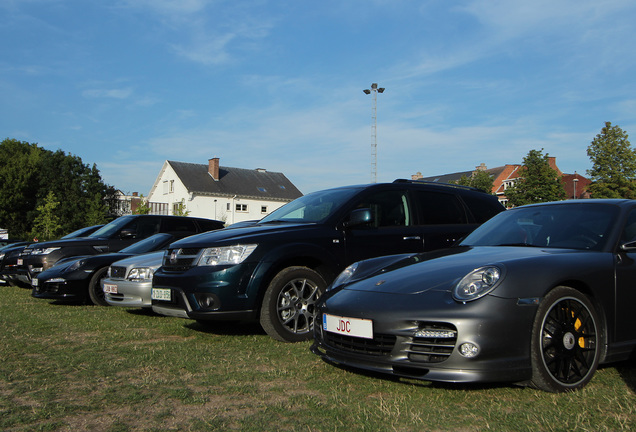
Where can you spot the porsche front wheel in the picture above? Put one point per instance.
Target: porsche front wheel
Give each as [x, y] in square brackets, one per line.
[566, 341]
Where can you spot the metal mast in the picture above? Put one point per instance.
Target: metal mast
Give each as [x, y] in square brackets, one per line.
[374, 117]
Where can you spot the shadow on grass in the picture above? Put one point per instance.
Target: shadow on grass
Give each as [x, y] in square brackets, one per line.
[627, 370]
[230, 328]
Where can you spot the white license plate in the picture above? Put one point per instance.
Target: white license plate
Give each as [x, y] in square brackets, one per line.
[110, 288]
[160, 294]
[20, 261]
[356, 327]
[34, 282]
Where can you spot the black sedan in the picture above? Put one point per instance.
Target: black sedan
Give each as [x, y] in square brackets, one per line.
[79, 278]
[539, 295]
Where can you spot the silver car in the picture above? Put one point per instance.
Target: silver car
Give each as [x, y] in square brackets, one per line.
[129, 281]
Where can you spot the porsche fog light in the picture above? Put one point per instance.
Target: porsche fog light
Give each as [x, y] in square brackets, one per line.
[469, 350]
[477, 283]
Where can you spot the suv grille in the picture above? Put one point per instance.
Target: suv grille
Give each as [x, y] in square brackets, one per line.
[180, 259]
[118, 272]
[432, 349]
[379, 345]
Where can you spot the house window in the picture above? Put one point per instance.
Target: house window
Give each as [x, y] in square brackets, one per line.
[263, 209]
[165, 187]
[241, 208]
[227, 207]
[171, 186]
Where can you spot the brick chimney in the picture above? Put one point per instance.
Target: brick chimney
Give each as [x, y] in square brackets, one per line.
[213, 168]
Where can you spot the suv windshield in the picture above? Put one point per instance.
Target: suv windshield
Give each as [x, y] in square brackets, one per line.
[313, 208]
[550, 226]
[111, 228]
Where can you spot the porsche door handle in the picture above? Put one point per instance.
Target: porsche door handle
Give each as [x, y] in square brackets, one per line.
[412, 238]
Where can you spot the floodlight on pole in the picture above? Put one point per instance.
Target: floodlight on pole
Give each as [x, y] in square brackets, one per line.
[374, 145]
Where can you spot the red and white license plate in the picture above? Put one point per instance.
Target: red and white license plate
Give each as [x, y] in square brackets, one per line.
[110, 288]
[356, 327]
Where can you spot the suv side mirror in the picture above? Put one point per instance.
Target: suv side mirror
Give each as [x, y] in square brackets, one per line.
[359, 217]
[128, 233]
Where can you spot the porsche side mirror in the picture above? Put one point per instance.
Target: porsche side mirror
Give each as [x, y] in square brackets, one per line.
[628, 246]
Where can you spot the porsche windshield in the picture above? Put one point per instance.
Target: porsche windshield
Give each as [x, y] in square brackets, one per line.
[584, 226]
[312, 208]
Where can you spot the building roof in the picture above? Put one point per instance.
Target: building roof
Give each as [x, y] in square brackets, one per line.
[246, 183]
[446, 178]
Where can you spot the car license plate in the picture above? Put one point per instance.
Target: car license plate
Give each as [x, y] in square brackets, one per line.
[110, 288]
[356, 327]
[160, 294]
[20, 261]
[34, 282]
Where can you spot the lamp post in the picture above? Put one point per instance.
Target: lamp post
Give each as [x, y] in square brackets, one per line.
[374, 145]
[575, 181]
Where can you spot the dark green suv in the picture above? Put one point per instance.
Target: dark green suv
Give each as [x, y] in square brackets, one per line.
[275, 269]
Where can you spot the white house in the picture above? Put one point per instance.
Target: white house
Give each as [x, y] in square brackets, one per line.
[223, 193]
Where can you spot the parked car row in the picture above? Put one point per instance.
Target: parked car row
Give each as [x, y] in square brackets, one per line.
[412, 279]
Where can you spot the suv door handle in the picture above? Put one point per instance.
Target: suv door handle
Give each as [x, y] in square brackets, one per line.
[412, 238]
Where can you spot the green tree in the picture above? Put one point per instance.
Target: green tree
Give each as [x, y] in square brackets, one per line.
[179, 209]
[538, 182]
[97, 211]
[613, 172]
[480, 180]
[28, 173]
[46, 225]
[143, 207]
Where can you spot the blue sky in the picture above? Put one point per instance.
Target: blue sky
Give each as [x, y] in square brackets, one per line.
[277, 84]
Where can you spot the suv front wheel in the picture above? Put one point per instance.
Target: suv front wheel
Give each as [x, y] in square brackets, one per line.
[288, 307]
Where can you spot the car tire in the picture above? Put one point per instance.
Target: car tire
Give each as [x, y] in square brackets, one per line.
[95, 291]
[566, 341]
[288, 309]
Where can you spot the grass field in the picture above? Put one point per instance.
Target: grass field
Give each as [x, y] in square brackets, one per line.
[70, 367]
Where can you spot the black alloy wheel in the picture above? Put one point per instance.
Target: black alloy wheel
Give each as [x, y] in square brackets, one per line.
[95, 291]
[289, 305]
[565, 341]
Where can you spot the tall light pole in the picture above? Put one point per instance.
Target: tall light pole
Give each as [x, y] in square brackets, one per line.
[575, 181]
[374, 117]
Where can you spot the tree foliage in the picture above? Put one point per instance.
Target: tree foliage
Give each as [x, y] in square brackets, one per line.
[179, 209]
[46, 225]
[480, 180]
[143, 207]
[613, 172]
[538, 182]
[28, 174]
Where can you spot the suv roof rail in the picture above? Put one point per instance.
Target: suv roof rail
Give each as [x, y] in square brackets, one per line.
[432, 183]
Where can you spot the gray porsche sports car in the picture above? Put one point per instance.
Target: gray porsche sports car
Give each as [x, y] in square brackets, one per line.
[538, 295]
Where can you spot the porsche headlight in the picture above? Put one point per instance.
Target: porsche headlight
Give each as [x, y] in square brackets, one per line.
[226, 255]
[345, 276]
[74, 265]
[477, 283]
[140, 274]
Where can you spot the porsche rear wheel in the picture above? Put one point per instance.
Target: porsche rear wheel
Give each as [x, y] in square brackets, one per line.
[566, 341]
[288, 307]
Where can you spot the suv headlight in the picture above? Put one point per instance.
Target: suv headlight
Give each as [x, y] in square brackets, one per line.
[140, 274]
[44, 251]
[225, 255]
[477, 283]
